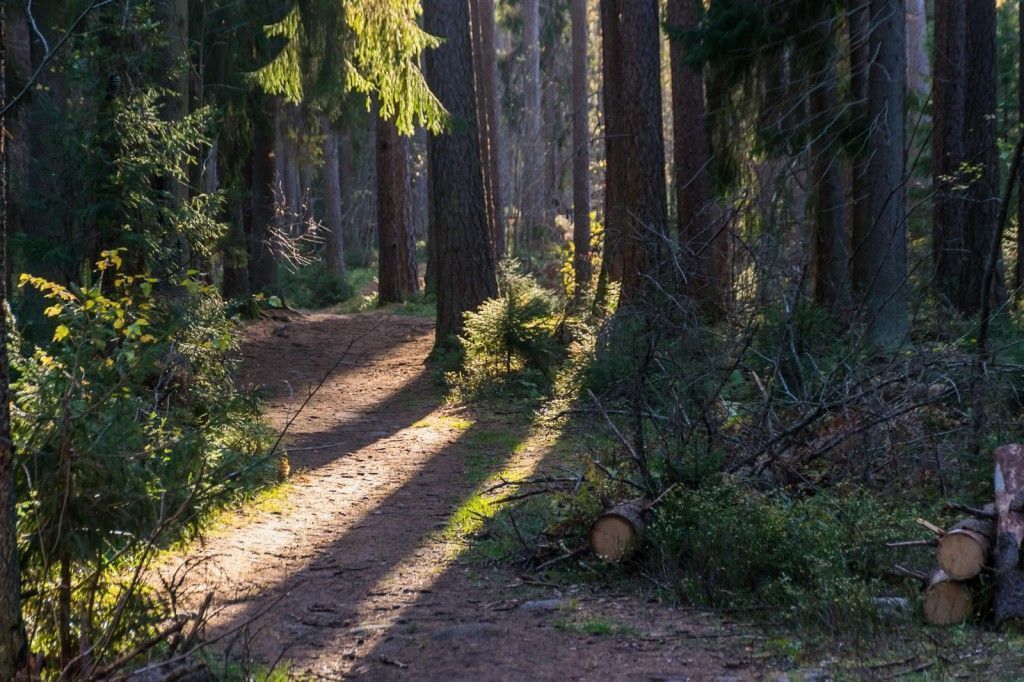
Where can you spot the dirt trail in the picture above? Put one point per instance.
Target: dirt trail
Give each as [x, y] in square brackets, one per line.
[348, 574]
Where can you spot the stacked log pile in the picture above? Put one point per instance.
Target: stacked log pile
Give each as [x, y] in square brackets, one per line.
[987, 541]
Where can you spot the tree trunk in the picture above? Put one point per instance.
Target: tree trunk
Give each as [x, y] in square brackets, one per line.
[396, 256]
[1018, 279]
[643, 195]
[611, 58]
[347, 180]
[533, 175]
[829, 240]
[703, 250]
[861, 219]
[234, 254]
[948, 209]
[12, 632]
[885, 290]
[1009, 489]
[981, 151]
[465, 264]
[262, 261]
[489, 32]
[581, 148]
[334, 244]
[485, 123]
[919, 80]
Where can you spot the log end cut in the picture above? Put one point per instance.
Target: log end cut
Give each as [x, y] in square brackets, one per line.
[617, 533]
[962, 553]
[946, 601]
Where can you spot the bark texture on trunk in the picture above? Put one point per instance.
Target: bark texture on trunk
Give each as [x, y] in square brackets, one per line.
[12, 631]
[1018, 279]
[485, 68]
[1009, 490]
[396, 256]
[919, 74]
[885, 287]
[981, 151]
[330, 177]
[580, 147]
[829, 240]
[611, 99]
[703, 248]
[861, 219]
[643, 192]
[464, 260]
[533, 169]
[948, 208]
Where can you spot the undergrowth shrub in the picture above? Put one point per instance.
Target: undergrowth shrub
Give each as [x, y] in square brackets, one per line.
[813, 562]
[314, 286]
[511, 342]
[128, 431]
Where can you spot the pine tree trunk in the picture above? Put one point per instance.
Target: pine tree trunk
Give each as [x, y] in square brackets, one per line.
[234, 255]
[580, 147]
[948, 208]
[334, 244]
[533, 154]
[347, 180]
[980, 149]
[614, 176]
[489, 31]
[1018, 279]
[262, 261]
[829, 242]
[464, 260]
[885, 292]
[919, 80]
[703, 250]
[396, 276]
[861, 218]
[643, 195]
[12, 633]
[483, 114]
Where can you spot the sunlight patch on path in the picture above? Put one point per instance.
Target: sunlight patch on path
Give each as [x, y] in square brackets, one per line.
[389, 600]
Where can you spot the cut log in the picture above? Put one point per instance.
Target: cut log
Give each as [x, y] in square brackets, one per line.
[617, 533]
[1009, 486]
[946, 601]
[964, 550]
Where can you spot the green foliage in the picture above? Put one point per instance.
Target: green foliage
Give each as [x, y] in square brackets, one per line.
[814, 562]
[128, 430]
[314, 286]
[370, 47]
[510, 341]
[113, 181]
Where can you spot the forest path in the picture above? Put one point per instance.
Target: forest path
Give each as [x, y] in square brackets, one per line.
[353, 570]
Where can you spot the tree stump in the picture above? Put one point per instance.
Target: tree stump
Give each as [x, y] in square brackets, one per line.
[1009, 487]
[617, 533]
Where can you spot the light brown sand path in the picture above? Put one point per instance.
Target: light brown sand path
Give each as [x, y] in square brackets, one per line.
[349, 573]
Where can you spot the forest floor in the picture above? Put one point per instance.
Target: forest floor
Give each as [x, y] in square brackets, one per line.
[364, 566]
